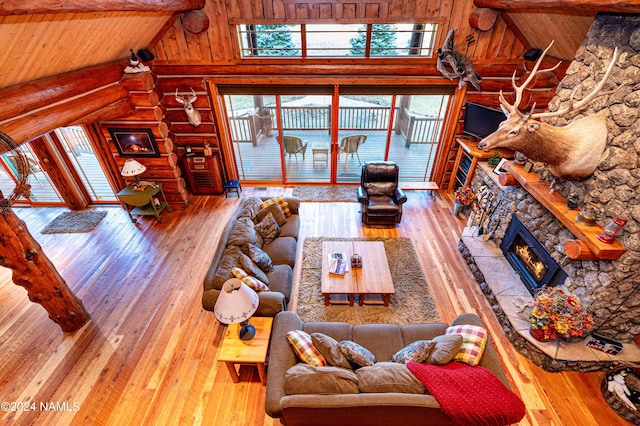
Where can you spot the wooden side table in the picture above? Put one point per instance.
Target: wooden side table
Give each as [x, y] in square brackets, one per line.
[148, 199]
[250, 352]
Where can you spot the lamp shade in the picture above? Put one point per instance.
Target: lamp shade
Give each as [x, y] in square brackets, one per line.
[236, 302]
[132, 168]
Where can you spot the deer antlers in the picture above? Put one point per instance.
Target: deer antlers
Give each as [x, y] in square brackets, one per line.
[513, 109]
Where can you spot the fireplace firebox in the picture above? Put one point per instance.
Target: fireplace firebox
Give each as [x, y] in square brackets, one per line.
[529, 258]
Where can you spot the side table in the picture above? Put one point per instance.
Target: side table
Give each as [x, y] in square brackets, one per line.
[146, 199]
[249, 352]
[320, 149]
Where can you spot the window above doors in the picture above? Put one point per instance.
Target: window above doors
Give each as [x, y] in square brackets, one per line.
[337, 40]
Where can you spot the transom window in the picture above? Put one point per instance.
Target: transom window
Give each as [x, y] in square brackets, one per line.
[336, 40]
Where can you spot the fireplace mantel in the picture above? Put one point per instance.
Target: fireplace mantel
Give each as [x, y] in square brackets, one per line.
[557, 205]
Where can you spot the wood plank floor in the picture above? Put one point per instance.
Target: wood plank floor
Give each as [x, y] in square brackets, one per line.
[148, 357]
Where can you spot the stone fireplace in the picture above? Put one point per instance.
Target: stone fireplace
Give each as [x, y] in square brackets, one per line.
[610, 287]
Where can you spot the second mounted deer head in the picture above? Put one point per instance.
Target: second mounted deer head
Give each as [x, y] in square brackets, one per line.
[572, 152]
[192, 112]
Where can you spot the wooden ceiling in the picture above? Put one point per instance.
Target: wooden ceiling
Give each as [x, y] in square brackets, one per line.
[45, 38]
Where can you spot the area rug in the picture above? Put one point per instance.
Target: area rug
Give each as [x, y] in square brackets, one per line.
[412, 302]
[75, 222]
[327, 193]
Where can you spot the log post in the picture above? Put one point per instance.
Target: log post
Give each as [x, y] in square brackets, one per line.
[507, 179]
[33, 270]
[578, 250]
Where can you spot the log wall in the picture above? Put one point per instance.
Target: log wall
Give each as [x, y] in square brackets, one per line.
[184, 59]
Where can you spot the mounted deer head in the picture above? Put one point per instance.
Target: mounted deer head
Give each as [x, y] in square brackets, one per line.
[192, 113]
[573, 151]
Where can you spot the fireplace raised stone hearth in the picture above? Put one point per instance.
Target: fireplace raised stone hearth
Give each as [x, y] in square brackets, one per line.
[505, 291]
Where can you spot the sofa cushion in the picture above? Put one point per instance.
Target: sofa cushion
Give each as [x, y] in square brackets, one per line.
[356, 354]
[417, 351]
[281, 280]
[308, 379]
[383, 340]
[380, 188]
[250, 207]
[259, 257]
[229, 260]
[268, 228]
[303, 347]
[245, 262]
[243, 232]
[282, 251]
[281, 201]
[330, 350]
[291, 228]
[473, 343]
[447, 346]
[388, 377]
[274, 209]
[252, 282]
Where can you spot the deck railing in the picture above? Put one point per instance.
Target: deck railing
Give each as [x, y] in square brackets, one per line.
[415, 129]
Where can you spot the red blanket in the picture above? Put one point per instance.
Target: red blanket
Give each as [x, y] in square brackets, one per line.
[470, 395]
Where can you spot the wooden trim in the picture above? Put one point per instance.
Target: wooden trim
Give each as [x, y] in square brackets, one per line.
[590, 6]
[23, 7]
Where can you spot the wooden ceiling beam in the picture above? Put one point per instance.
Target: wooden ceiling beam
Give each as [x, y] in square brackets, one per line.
[22, 7]
[590, 6]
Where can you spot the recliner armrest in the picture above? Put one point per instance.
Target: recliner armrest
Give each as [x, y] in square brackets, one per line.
[399, 195]
[363, 197]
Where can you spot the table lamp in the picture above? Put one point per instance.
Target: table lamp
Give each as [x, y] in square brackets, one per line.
[236, 303]
[133, 168]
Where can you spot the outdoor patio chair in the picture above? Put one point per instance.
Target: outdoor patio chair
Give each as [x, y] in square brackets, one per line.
[350, 145]
[293, 145]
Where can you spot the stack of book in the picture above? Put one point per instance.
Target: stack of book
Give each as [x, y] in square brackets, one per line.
[338, 263]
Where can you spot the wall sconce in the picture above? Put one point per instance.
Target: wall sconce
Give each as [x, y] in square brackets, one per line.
[609, 233]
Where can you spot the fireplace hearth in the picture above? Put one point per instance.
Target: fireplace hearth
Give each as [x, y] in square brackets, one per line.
[529, 258]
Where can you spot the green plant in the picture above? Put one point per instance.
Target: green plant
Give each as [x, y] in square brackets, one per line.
[494, 159]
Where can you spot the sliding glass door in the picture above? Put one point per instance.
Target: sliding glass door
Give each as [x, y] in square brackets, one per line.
[287, 138]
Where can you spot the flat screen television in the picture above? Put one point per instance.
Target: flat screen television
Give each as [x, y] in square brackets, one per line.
[480, 121]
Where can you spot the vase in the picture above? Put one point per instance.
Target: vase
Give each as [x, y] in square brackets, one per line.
[457, 207]
[538, 334]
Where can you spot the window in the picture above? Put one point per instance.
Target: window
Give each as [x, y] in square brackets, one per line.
[337, 40]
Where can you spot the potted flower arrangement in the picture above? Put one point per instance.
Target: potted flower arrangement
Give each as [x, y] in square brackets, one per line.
[463, 196]
[558, 314]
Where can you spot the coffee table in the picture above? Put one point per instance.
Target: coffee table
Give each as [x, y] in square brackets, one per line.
[249, 352]
[372, 282]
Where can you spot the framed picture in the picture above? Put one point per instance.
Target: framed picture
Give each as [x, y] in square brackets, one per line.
[499, 167]
[134, 142]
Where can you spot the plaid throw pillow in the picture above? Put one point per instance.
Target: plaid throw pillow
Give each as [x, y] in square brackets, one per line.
[303, 347]
[252, 282]
[281, 202]
[474, 339]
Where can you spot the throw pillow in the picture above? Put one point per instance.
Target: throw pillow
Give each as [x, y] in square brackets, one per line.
[417, 351]
[309, 379]
[388, 377]
[447, 346]
[280, 200]
[277, 212]
[268, 228]
[243, 232]
[356, 354]
[473, 343]
[260, 258]
[303, 347]
[252, 282]
[330, 350]
[245, 262]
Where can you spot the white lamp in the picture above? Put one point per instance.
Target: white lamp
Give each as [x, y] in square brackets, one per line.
[236, 303]
[133, 168]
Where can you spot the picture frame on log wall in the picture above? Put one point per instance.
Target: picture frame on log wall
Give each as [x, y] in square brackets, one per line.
[134, 142]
